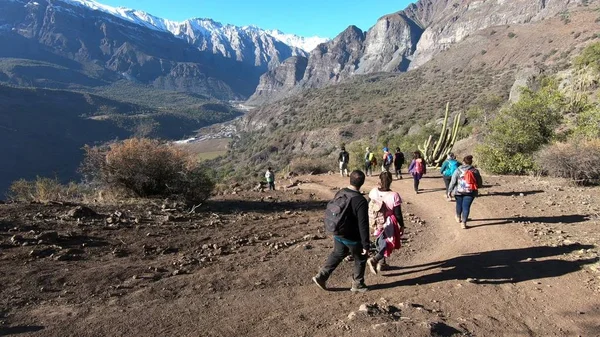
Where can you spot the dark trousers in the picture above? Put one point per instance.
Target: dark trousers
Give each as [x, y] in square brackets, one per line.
[340, 251]
[416, 182]
[398, 169]
[447, 182]
[463, 206]
[381, 245]
[272, 186]
[368, 168]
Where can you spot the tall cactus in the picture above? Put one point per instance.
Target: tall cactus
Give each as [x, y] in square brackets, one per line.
[434, 154]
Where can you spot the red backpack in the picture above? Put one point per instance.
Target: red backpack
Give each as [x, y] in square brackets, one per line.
[419, 166]
[467, 183]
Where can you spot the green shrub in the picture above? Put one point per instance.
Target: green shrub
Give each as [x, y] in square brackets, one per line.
[587, 122]
[521, 129]
[577, 160]
[147, 168]
[590, 57]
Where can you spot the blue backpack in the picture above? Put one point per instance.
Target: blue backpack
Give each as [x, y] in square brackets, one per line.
[452, 166]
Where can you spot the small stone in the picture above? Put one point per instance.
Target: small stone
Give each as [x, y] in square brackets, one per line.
[521, 194]
[363, 307]
[49, 236]
[472, 280]
[81, 212]
[352, 315]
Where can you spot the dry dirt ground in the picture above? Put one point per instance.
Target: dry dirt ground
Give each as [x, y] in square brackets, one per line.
[528, 266]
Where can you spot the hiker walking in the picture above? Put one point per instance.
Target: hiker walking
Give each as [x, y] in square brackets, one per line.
[270, 176]
[369, 157]
[385, 215]
[387, 160]
[448, 167]
[344, 159]
[398, 162]
[465, 182]
[347, 218]
[417, 168]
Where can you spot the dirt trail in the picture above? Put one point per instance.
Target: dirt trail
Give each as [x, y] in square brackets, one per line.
[243, 267]
[514, 287]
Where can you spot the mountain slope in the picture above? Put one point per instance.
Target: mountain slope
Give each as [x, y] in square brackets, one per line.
[408, 39]
[396, 106]
[107, 44]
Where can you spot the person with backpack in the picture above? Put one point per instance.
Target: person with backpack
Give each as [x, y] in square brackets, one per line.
[465, 182]
[344, 159]
[385, 215]
[369, 162]
[417, 168]
[398, 162]
[448, 167]
[270, 177]
[387, 160]
[346, 216]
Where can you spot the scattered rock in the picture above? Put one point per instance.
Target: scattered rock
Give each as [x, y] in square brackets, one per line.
[48, 237]
[41, 253]
[179, 272]
[81, 212]
[16, 240]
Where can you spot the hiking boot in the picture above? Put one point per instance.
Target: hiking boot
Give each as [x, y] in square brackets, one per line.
[457, 218]
[359, 287]
[373, 266]
[382, 266]
[320, 282]
[463, 225]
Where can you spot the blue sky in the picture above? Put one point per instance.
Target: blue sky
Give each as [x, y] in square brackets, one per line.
[325, 18]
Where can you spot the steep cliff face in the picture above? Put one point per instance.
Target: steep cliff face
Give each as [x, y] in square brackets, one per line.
[449, 22]
[410, 38]
[336, 60]
[283, 78]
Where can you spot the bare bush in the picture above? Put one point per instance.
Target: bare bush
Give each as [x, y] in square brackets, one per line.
[147, 168]
[306, 165]
[576, 160]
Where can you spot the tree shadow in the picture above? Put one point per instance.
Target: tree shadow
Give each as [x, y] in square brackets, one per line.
[497, 267]
[266, 206]
[565, 219]
[513, 193]
[16, 330]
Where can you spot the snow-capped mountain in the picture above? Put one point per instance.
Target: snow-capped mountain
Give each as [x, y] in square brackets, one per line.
[304, 43]
[215, 32]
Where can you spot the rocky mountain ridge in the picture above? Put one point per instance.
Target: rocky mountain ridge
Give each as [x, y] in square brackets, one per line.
[108, 44]
[404, 41]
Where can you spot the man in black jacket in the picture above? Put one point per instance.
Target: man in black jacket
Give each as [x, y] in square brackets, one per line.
[352, 237]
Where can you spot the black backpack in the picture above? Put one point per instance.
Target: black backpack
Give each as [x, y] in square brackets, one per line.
[337, 208]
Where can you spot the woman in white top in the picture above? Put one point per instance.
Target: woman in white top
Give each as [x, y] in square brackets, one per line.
[388, 203]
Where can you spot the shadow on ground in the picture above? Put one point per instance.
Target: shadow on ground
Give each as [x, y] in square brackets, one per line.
[565, 219]
[497, 267]
[509, 194]
[17, 330]
[266, 206]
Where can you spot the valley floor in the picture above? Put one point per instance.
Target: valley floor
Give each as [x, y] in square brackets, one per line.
[528, 266]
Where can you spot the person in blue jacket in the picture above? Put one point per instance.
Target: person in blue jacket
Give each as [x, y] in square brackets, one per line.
[448, 167]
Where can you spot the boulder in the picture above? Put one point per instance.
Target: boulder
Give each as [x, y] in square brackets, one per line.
[81, 212]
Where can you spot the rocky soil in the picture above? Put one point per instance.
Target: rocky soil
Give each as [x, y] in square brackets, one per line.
[528, 266]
